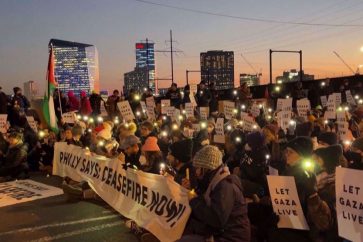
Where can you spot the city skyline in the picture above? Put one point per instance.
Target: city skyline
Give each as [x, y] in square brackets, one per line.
[114, 27]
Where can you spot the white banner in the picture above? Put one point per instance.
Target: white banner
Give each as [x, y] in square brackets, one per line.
[286, 203]
[69, 118]
[32, 123]
[165, 103]
[349, 203]
[3, 123]
[25, 191]
[154, 202]
[204, 113]
[125, 110]
[303, 106]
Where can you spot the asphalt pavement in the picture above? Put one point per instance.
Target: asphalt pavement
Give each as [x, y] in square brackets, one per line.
[56, 219]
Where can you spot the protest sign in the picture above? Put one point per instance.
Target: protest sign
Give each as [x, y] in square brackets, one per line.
[286, 203]
[154, 202]
[283, 119]
[249, 123]
[284, 104]
[125, 110]
[303, 106]
[165, 103]
[69, 118]
[150, 102]
[228, 108]
[143, 107]
[324, 101]
[25, 191]
[343, 126]
[349, 203]
[193, 89]
[350, 98]
[273, 171]
[192, 100]
[330, 113]
[170, 111]
[219, 137]
[176, 116]
[255, 110]
[338, 98]
[32, 123]
[204, 113]
[3, 123]
[189, 110]
[150, 113]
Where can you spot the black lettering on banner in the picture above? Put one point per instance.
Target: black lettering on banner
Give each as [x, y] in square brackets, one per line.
[83, 165]
[138, 193]
[119, 177]
[123, 185]
[114, 178]
[60, 157]
[103, 174]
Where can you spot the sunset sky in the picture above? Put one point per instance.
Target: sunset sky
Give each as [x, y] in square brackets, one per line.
[26, 26]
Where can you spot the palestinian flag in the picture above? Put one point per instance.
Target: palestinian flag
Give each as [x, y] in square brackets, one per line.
[48, 101]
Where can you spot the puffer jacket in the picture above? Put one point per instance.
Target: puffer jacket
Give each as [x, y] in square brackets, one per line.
[15, 161]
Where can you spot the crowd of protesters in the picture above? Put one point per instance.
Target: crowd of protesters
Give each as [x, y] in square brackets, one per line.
[230, 199]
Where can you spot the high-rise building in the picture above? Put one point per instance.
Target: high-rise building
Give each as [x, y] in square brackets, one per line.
[30, 89]
[76, 66]
[145, 60]
[292, 76]
[250, 79]
[136, 80]
[218, 67]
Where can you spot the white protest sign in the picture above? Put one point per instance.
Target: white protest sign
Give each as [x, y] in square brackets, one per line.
[303, 106]
[287, 104]
[196, 128]
[176, 116]
[165, 103]
[330, 113]
[228, 108]
[279, 103]
[69, 118]
[125, 110]
[150, 113]
[286, 203]
[255, 110]
[150, 102]
[32, 123]
[343, 126]
[338, 99]
[249, 123]
[204, 113]
[219, 137]
[193, 89]
[170, 111]
[143, 107]
[154, 202]
[189, 110]
[3, 123]
[350, 98]
[324, 101]
[349, 203]
[192, 100]
[25, 191]
[283, 119]
[273, 171]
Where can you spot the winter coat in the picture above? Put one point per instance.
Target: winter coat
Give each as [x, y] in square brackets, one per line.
[3, 103]
[73, 102]
[14, 162]
[226, 215]
[85, 106]
[95, 101]
[175, 98]
[111, 105]
[203, 97]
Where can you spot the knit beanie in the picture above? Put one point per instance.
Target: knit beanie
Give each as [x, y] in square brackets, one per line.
[358, 144]
[255, 140]
[331, 156]
[209, 157]
[301, 145]
[151, 144]
[329, 138]
[182, 150]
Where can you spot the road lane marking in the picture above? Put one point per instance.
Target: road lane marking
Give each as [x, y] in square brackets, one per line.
[77, 232]
[30, 229]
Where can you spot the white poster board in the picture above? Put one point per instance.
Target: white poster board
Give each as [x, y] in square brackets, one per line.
[303, 106]
[150, 102]
[204, 113]
[349, 203]
[219, 137]
[228, 108]
[3, 123]
[125, 110]
[32, 123]
[165, 103]
[69, 118]
[189, 110]
[286, 203]
[350, 98]
[324, 101]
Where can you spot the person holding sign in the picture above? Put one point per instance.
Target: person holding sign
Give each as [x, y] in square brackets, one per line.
[219, 211]
[316, 211]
